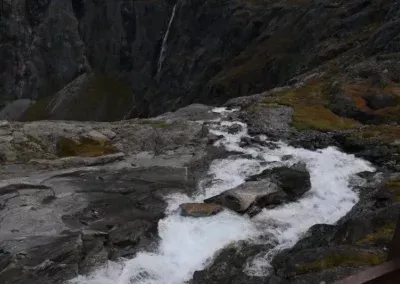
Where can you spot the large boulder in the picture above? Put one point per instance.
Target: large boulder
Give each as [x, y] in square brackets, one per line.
[242, 197]
[377, 100]
[270, 188]
[200, 209]
[294, 181]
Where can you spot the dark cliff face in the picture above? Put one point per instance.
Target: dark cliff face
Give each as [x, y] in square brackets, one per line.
[44, 45]
[216, 50]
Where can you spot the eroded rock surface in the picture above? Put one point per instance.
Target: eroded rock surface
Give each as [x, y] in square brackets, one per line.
[61, 217]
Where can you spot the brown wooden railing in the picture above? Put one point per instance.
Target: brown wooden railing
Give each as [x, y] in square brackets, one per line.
[386, 273]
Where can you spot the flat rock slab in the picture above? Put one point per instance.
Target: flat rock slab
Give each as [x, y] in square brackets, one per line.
[200, 209]
[78, 161]
[73, 221]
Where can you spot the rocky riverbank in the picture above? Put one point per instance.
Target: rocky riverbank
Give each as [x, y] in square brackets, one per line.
[76, 195]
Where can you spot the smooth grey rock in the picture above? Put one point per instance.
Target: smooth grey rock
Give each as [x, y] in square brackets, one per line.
[294, 181]
[240, 198]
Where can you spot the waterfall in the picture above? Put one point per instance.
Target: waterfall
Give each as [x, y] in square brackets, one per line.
[163, 50]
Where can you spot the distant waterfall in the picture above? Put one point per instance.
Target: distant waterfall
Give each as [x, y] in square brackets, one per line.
[164, 43]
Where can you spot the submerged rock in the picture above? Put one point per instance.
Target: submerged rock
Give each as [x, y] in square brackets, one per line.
[199, 209]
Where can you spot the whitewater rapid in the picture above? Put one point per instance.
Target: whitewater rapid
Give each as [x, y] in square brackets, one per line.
[189, 244]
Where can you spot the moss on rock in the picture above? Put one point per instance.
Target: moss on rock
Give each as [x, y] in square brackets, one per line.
[105, 98]
[85, 147]
[311, 113]
[99, 97]
[342, 260]
[394, 187]
[382, 235]
[38, 111]
[378, 133]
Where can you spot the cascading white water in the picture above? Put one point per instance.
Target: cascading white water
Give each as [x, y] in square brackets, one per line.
[189, 244]
[163, 50]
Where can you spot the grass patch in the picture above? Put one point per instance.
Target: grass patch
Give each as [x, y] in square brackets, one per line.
[38, 111]
[104, 98]
[99, 97]
[382, 235]
[344, 260]
[320, 118]
[85, 147]
[378, 133]
[357, 93]
[394, 187]
[311, 113]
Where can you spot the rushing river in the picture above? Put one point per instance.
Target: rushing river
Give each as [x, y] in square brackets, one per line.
[189, 244]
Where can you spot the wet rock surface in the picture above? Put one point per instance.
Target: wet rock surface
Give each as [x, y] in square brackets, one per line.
[76, 221]
[294, 181]
[61, 217]
[242, 197]
[266, 190]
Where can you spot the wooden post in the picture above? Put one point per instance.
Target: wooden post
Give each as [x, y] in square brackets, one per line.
[394, 249]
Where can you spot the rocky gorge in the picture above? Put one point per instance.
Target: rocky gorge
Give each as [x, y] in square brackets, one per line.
[197, 142]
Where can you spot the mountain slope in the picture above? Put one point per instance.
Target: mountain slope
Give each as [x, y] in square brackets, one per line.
[215, 50]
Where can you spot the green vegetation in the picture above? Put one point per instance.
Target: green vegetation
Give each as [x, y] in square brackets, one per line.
[357, 92]
[85, 147]
[375, 133]
[394, 187]
[345, 260]
[38, 111]
[100, 97]
[382, 235]
[104, 97]
[311, 113]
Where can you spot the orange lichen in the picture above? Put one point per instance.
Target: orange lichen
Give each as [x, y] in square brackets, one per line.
[357, 93]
